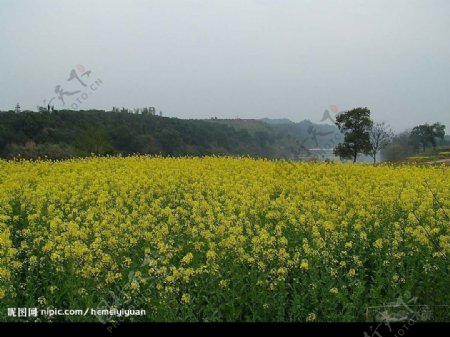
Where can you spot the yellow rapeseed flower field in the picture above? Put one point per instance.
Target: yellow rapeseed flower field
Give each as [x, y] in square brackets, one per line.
[222, 239]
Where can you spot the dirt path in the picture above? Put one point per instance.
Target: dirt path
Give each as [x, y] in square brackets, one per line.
[441, 161]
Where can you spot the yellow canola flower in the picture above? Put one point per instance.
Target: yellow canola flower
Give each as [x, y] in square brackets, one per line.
[166, 229]
[304, 264]
[187, 258]
[185, 298]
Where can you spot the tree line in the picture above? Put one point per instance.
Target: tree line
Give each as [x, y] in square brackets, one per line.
[66, 134]
[363, 136]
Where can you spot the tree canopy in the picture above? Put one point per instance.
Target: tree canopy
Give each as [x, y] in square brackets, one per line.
[66, 133]
[355, 124]
[424, 135]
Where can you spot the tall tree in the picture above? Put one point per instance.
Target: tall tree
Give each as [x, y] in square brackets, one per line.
[400, 147]
[355, 125]
[380, 136]
[425, 134]
[438, 131]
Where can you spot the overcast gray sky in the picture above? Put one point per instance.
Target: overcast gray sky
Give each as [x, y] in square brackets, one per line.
[226, 58]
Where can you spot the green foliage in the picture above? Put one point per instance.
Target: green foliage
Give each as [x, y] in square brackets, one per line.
[170, 141]
[94, 141]
[344, 151]
[423, 135]
[42, 151]
[355, 125]
[121, 131]
[444, 154]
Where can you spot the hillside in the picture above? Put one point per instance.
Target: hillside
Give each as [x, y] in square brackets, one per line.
[276, 121]
[66, 134]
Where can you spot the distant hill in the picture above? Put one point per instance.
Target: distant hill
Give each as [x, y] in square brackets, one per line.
[276, 121]
[292, 139]
[66, 134]
[305, 131]
[310, 134]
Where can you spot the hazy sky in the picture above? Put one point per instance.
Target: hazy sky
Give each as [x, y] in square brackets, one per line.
[226, 58]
